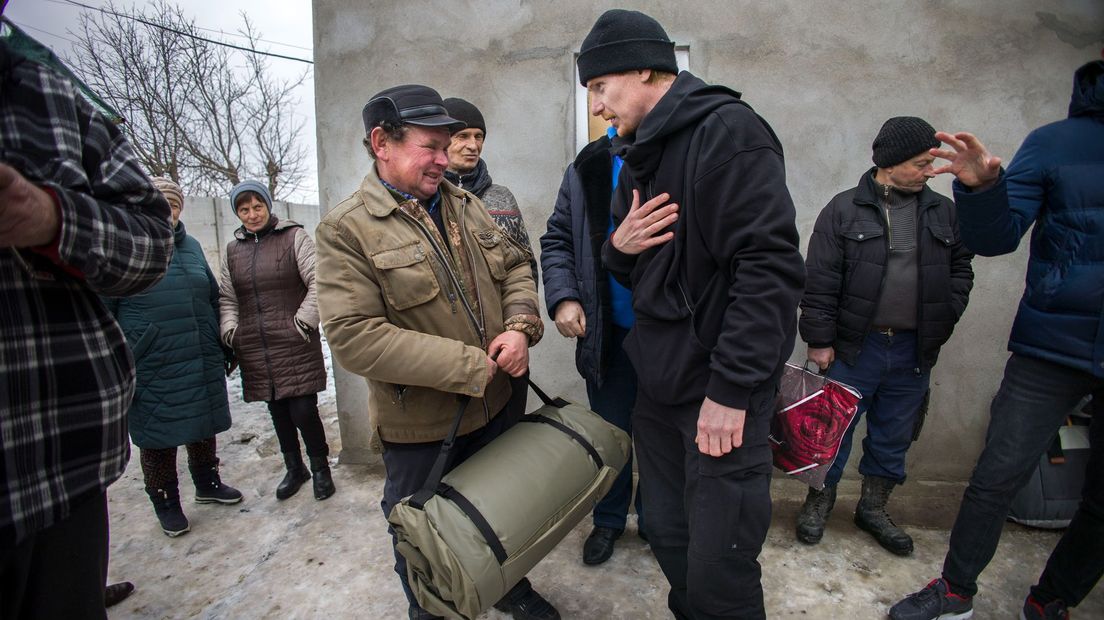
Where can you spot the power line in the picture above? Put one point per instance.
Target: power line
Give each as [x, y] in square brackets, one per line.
[45, 32]
[224, 33]
[187, 34]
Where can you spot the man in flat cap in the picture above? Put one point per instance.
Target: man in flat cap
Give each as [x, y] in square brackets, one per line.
[888, 279]
[706, 241]
[421, 294]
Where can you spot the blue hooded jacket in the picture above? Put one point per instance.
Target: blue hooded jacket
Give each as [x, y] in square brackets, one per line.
[1056, 182]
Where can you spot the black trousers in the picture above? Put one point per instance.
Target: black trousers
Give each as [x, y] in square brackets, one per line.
[707, 516]
[59, 572]
[299, 415]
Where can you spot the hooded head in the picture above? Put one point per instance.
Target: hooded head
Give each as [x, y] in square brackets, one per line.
[1088, 90]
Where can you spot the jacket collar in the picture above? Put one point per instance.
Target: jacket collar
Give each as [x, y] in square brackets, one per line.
[378, 200]
[867, 193]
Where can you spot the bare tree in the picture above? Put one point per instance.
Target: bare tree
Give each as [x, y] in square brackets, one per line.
[203, 114]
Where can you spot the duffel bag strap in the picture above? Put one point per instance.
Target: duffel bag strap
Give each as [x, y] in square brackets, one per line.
[433, 480]
[545, 398]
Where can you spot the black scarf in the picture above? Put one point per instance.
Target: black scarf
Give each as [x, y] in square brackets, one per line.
[477, 181]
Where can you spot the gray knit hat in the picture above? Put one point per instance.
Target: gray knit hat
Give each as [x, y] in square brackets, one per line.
[902, 138]
[250, 186]
[625, 41]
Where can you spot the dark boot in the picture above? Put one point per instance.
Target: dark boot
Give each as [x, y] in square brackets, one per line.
[117, 592]
[296, 475]
[523, 603]
[814, 514]
[871, 515]
[210, 489]
[323, 483]
[166, 503]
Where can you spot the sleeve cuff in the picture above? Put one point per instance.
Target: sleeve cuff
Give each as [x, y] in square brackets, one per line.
[727, 394]
[52, 250]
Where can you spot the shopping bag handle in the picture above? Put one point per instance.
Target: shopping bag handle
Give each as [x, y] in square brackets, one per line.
[815, 369]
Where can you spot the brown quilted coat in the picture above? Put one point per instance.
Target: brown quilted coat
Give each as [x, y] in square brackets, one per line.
[267, 282]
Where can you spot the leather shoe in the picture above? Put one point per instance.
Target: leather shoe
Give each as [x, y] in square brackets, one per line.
[599, 545]
[523, 603]
[117, 592]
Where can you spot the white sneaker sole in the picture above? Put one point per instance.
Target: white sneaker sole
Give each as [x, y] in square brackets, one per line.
[962, 616]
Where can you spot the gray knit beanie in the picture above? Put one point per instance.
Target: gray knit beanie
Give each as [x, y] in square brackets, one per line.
[625, 41]
[250, 186]
[902, 138]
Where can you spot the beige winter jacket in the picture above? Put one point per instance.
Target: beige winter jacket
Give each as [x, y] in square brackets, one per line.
[392, 311]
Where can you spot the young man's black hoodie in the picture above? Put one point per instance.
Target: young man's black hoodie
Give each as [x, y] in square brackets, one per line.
[716, 306]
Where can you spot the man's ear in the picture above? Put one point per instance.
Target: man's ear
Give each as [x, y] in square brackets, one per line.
[378, 139]
[644, 75]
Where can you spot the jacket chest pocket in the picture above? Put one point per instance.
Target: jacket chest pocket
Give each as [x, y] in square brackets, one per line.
[406, 276]
[493, 246]
[862, 243]
[942, 235]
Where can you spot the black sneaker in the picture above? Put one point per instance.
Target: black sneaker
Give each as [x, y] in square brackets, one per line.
[934, 602]
[1033, 610]
[523, 603]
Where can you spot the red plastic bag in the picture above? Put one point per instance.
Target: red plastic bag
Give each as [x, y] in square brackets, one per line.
[810, 419]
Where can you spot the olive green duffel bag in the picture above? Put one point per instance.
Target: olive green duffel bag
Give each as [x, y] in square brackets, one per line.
[472, 534]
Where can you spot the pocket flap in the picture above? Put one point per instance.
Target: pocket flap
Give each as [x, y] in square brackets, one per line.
[943, 233]
[399, 257]
[488, 237]
[862, 234]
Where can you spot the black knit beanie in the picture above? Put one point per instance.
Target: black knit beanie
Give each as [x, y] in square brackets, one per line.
[625, 41]
[902, 138]
[463, 110]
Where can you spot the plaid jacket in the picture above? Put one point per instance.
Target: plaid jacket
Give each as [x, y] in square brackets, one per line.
[66, 375]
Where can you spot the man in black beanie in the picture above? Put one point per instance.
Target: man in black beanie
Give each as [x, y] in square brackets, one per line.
[878, 325]
[467, 170]
[705, 239]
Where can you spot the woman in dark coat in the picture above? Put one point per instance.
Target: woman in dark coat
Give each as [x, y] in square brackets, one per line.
[180, 397]
[269, 316]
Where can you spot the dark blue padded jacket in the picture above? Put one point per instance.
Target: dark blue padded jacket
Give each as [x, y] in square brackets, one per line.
[1056, 182]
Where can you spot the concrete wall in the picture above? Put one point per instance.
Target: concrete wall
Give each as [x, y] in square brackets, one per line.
[212, 222]
[825, 75]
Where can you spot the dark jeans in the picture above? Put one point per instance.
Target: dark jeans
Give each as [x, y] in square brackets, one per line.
[407, 466]
[1033, 401]
[614, 402]
[299, 415]
[60, 571]
[707, 517]
[886, 374]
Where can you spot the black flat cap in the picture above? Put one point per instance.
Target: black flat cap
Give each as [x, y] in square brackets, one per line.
[409, 104]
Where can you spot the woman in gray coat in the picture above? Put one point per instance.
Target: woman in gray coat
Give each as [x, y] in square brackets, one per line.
[269, 316]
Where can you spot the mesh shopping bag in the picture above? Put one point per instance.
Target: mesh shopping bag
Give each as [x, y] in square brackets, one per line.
[811, 417]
